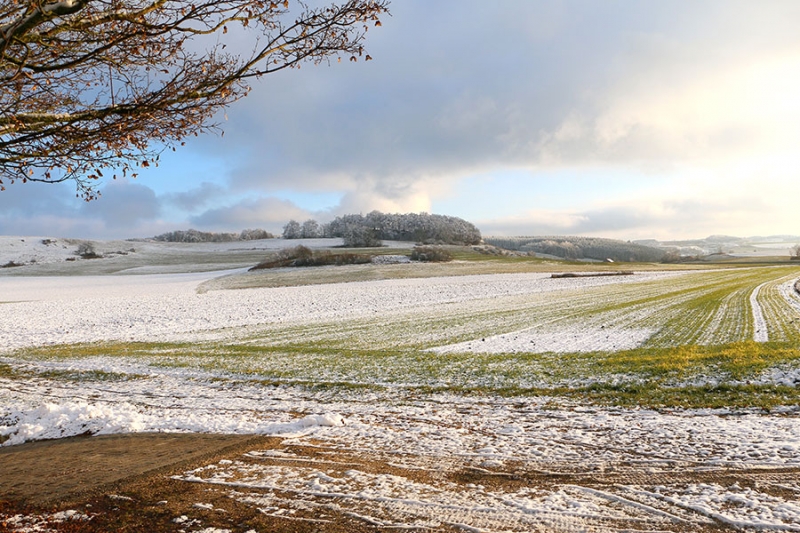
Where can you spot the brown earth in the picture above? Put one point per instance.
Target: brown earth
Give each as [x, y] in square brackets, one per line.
[64, 471]
[124, 483]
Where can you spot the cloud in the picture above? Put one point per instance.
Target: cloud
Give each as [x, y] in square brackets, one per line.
[197, 198]
[125, 210]
[124, 204]
[266, 213]
[458, 88]
[39, 209]
[664, 219]
[451, 87]
[697, 100]
[402, 196]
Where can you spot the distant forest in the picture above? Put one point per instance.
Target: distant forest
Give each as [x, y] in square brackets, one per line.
[354, 230]
[577, 248]
[375, 227]
[193, 235]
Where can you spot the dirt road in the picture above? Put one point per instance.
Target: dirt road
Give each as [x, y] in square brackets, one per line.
[165, 482]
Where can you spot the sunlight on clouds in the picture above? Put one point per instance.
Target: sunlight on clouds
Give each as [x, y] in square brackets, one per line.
[413, 197]
[560, 221]
[752, 196]
[751, 108]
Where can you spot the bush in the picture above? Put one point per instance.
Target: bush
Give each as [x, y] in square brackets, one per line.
[361, 237]
[430, 254]
[298, 253]
[328, 258]
[86, 250]
[301, 256]
[255, 234]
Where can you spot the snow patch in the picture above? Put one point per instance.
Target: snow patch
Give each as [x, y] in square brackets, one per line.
[567, 339]
[760, 333]
[67, 419]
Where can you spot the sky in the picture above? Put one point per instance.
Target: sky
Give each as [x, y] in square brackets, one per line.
[621, 119]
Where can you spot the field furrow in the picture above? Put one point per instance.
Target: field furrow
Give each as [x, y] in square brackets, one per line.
[781, 308]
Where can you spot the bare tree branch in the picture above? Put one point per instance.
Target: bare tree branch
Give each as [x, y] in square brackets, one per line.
[88, 86]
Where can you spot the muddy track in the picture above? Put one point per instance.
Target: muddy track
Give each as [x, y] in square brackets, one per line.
[65, 471]
[165, 482]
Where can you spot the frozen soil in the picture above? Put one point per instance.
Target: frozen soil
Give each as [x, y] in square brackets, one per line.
[217, 483]
[388, 460]
[65, 471]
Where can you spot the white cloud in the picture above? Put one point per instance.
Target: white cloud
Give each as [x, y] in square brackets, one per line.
[264, 213]
[696, 100]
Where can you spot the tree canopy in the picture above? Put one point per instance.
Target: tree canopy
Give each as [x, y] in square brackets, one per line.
[580, 248]
[368, 231]
[88, 86]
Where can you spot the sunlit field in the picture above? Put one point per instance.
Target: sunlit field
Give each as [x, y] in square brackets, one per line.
[462, 399]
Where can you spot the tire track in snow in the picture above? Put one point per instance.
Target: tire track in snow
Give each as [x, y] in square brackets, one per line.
[789, 294]
[760, 333]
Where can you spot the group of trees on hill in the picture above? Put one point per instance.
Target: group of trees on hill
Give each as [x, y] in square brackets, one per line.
[370, 230]
[576, 248]
[193, 235]
[310, 229]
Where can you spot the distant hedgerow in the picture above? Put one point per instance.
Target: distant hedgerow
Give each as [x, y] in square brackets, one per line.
[301, 256]
[431, 254]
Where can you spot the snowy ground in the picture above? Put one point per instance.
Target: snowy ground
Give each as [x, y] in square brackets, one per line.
[48, 310]
[568, 469]
[391, 456]
[45, 250]
[46, 256]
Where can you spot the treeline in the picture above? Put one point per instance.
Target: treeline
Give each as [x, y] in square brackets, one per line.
[193, 235]
[375, 227]
[576, 248]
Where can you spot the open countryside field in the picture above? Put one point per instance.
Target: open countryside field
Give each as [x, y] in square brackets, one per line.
[481, 396]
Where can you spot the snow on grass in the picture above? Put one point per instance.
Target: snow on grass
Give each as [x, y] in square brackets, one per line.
[93, 308]
[517, 312]
[760, 325]
[477, 429]
[345, 368]
[781, 307]
[579, 339]
[41, 250]
[497, 333]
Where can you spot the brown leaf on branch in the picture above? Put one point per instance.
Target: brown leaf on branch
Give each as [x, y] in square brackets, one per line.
[92, 85]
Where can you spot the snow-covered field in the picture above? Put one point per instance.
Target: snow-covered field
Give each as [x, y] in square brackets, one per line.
[48, 310]
[380, 348]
